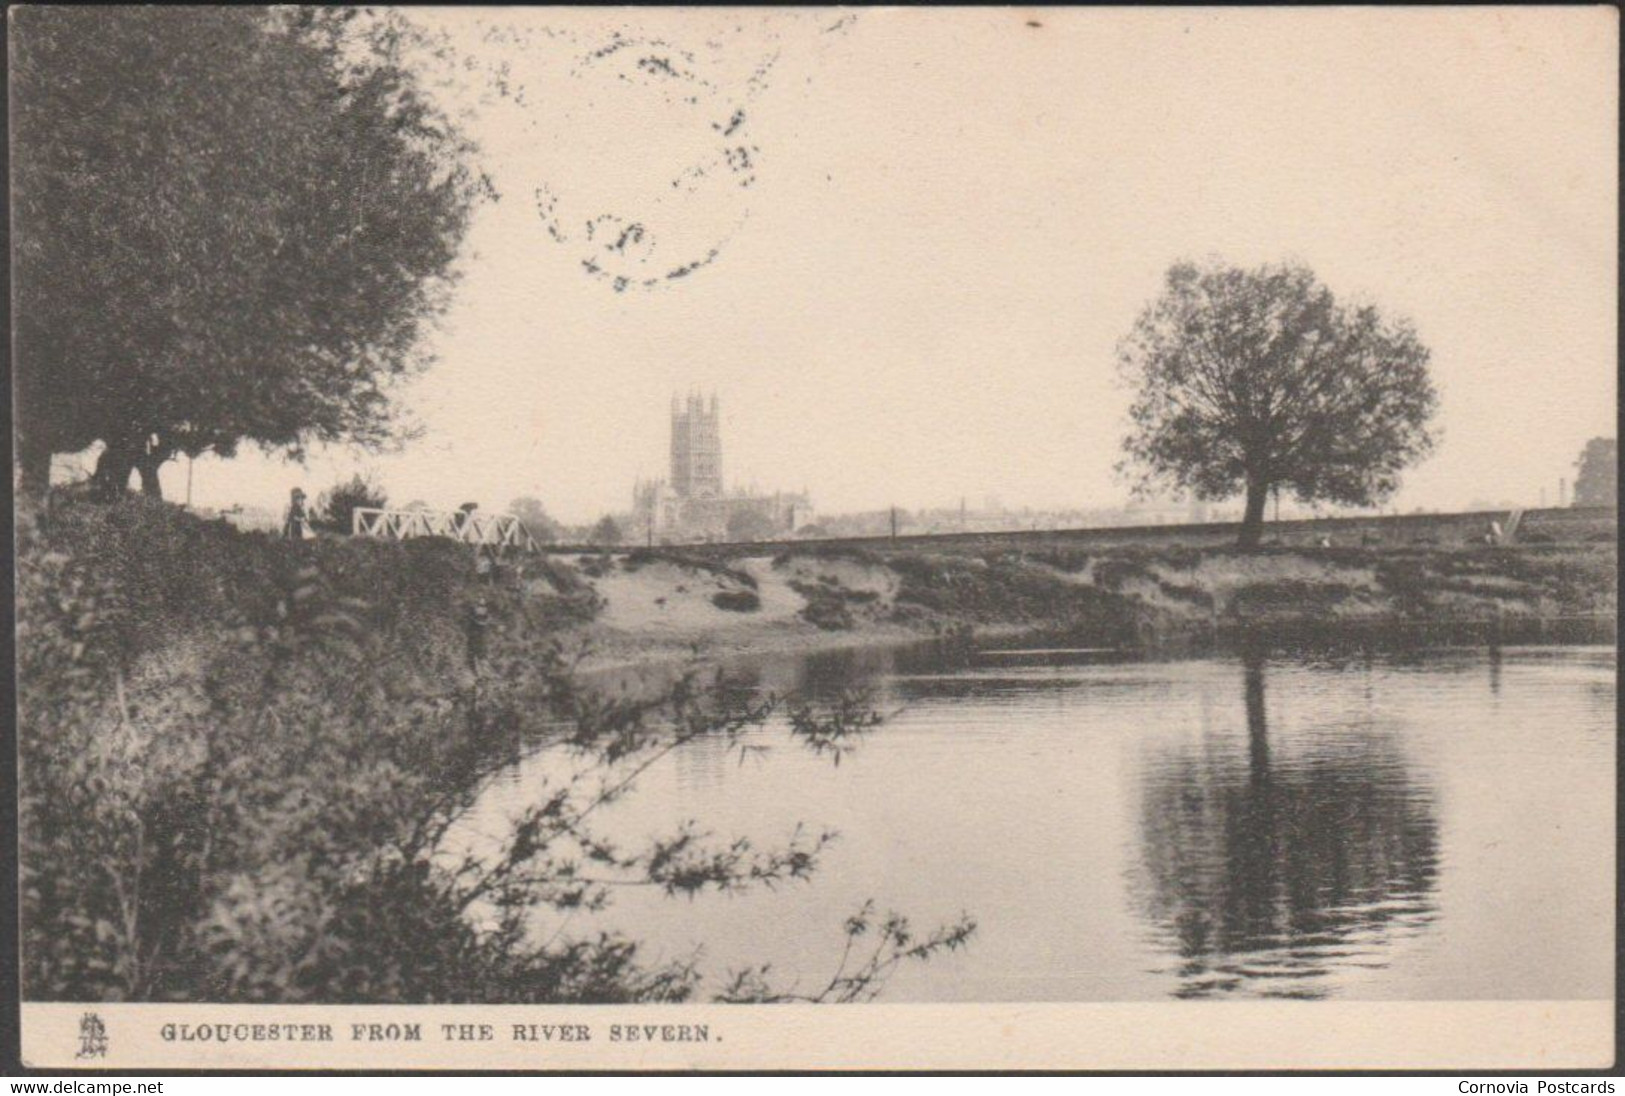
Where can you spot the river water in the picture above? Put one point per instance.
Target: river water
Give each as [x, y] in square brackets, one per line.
[1434, 825]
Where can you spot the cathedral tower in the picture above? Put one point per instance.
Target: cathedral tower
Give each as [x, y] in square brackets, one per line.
[696, 448]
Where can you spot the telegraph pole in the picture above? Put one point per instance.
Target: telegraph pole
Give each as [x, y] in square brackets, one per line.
[894, 523]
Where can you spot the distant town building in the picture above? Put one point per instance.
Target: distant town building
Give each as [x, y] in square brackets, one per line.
[1166, 511]
[691, 503]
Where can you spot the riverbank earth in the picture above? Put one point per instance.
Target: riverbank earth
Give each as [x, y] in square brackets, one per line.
[662, 605]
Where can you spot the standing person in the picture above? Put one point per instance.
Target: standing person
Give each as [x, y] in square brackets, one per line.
[296, 526]
[479, 621]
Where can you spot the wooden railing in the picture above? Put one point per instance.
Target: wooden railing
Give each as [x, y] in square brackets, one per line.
[497, 530]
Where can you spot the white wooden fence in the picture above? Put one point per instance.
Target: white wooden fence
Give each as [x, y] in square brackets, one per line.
[499, 530]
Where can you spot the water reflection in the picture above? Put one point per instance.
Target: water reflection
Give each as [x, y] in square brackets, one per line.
[1272, 866]
[1422, 825]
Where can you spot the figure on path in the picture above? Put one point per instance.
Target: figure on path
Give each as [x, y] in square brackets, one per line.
[297, 524]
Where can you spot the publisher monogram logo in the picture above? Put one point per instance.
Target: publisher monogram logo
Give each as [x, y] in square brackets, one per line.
[92, 1037]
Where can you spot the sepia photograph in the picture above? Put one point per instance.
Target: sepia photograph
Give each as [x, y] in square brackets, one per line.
[764, 538]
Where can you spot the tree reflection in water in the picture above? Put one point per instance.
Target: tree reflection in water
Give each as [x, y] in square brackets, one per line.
[1270, 872]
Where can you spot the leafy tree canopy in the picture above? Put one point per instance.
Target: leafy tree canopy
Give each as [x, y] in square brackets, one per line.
[232, 224]
[1259, 380]
[535, 518]
[336, 507]
[1597, 480]
[749, 523]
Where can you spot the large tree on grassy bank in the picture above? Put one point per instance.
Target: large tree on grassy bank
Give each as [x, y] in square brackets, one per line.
[231, 224]
[1260, 380]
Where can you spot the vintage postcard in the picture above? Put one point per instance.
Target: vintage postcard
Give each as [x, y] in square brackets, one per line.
[815, 538]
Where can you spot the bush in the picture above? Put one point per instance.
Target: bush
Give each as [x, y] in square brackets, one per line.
[737, 601]
[560, 576]
[1289, 597]
[239, 757]
[747, 525]
[574, 600]
[337, 505]
[969, 589]
[1070, 560]
[1114, 573]
[826, 606]
[640, 557]
[1193, 595]
[597, 566]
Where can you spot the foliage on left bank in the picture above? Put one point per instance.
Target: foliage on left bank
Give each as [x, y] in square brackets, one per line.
[241, 757]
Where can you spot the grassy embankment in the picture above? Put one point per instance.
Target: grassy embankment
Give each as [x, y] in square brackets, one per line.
[663, 603]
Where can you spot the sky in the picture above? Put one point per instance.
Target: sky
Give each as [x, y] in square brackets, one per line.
[902, 245]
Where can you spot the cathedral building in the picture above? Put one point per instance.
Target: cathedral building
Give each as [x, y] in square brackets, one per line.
[692, 504]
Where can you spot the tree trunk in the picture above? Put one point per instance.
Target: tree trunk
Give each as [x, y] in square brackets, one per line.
[112, 476]
[148, 466]
[1252, 522]
[1258, 742]
[34, 464]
